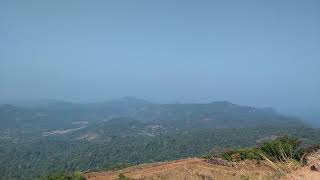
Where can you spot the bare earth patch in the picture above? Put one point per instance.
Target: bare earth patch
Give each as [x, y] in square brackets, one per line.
[201, 169]
[62, 131]
[88, 136]
[305, 172]
[192, 168]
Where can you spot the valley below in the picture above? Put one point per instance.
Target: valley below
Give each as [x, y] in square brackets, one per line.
[128, 132]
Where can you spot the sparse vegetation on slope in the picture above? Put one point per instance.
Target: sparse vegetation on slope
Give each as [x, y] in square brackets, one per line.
[273, 159]
[278, 149]
[283, 154]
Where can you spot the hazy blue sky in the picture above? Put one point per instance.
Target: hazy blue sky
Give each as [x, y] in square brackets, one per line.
[262, 53]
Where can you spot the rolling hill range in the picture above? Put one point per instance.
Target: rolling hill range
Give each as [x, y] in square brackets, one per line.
[214, 115]
[60, 136]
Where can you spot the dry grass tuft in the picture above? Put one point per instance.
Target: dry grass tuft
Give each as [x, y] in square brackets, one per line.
[284, 165]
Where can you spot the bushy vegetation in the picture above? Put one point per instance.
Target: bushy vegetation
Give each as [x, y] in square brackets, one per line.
[42, 157]
[64, 176]
[242, 154]
[278, 149]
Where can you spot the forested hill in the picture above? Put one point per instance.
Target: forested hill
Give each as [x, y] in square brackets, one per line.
[55, 114]
[59, 136]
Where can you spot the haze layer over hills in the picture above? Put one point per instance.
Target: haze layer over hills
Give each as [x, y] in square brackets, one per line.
[42, 138]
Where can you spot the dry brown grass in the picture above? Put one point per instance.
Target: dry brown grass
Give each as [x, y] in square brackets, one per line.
[193, 169]
[285, 165]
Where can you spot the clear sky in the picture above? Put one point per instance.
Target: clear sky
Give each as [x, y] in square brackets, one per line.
[260, 53]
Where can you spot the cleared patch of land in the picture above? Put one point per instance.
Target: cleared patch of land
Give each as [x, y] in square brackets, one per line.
[88, 136]
[62, 131]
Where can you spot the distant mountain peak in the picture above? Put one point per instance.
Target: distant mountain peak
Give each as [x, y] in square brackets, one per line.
[224, 103]
[221, 102]
[130, 99]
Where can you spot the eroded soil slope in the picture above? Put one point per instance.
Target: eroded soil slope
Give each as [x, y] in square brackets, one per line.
[193, 168]
[196, 168]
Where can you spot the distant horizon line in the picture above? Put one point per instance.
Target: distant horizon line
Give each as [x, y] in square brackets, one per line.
[107, 100]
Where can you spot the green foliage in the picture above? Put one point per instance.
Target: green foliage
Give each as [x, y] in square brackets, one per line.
[64, 176]
[130, 132]
[278, 149]
[47, 155]
[242, 154]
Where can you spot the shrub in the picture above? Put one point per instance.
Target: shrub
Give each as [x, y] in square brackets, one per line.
[282, 148]
[242, 154]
